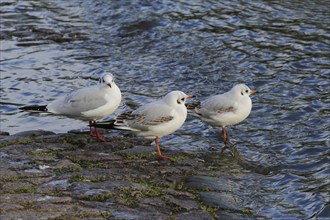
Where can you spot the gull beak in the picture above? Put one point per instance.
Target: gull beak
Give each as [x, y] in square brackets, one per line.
[253, 91]
[190, 96]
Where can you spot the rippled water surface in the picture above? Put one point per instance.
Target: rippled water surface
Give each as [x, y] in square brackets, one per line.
[281, 48]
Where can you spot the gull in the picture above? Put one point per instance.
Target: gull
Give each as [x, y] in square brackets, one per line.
[229, 108]
[88, 104]
[153, 120]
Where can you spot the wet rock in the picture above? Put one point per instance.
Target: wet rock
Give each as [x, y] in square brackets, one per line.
[228, 215]
[95, 192]
[39, 181]
[34, 173]
[210, 183]
[53, 186]
[29, 214]
[194, 215]
[45, 210]
[9, 140]
[222, 200]
[25, 199]
[54, 199]
[33, 133]
[53, 148]
[6, 207]
[66, 165]
[88, 156]
[155, 202]
[137, 214]
[70, 176]
[190, 162]
[74, 140]
[180, 193]
[93, 174]
[125, 215]
[19, 151]
[137, 150]
[8, 175]
[103, 185]
[113, 144]
[18, 186]
[41, 159]
[184, 204]
[3, 155]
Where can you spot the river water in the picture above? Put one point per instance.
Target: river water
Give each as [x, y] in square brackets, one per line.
[280, 48]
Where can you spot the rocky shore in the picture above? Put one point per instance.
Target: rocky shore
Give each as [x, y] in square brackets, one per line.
[44, 175]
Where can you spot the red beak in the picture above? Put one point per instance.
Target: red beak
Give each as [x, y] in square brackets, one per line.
[253, 91]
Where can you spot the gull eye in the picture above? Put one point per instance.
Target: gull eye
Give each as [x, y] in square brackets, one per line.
[246, 91]
[182, 99]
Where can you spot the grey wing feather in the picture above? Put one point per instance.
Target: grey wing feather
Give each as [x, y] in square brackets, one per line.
[215, 105]
[145, 116]
[78, 102]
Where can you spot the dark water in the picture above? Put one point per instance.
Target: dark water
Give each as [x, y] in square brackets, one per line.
[281, 48]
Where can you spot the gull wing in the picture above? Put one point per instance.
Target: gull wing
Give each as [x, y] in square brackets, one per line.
[216, 105]
[78, 102]
[143, 118]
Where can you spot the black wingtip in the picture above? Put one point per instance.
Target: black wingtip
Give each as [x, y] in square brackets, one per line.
[34, 108]
[104, 124]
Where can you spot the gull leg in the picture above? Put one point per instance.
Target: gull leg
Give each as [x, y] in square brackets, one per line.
[224, 135]
[91, 129]
[158, 150]
[98, 136]
[228, 145]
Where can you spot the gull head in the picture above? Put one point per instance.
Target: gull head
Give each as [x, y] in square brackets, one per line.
[242, 90]
[176, 98]
[107, 80]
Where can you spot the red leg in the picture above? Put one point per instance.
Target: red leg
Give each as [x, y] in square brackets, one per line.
[224, 135]
[91, 129]
[158, 150]
[98, 136]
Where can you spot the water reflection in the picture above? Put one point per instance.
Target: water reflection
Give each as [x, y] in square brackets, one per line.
[203, 47]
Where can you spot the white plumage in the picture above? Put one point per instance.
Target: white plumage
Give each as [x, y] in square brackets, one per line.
[91, 103]
[229, 108]
[155, 119]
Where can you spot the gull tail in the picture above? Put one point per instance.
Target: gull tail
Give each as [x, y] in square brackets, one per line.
[105, 125]
[34, 108]
[112, 124]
